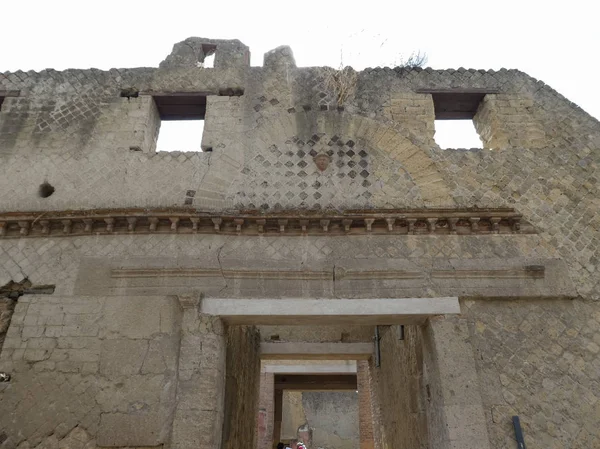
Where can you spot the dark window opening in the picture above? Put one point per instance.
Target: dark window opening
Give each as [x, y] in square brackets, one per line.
[456, 106]
[4, 94]
[182, 121]
[130, 92]
[454, 113]
[181, 106]
[231, 92]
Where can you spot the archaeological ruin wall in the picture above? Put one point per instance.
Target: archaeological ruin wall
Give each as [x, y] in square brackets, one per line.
[121, 265]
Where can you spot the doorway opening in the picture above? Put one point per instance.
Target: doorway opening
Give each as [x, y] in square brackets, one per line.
[314, 402]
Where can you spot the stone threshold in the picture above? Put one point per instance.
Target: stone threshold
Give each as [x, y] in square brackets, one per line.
[284, 223]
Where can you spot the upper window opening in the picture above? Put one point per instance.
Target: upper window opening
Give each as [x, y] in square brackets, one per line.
[454, 113]
[180, 135]
[456, 134]
[209, 62]
[208, 56]
[182, 121]
[1, 101]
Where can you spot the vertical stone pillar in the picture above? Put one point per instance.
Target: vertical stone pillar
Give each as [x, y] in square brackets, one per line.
[198, 419]
[277, 415]
[375, 405]
[266, 411]
[242, 388]
[365, 410]
[455, 412]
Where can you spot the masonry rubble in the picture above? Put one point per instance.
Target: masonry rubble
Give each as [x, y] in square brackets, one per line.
[302, 192]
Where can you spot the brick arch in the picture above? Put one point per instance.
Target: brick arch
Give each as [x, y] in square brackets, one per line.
[414, 158]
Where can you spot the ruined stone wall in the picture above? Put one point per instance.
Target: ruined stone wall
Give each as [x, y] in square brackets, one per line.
[453, 388]
[539, 360]
[381, 148]
[554, 186]
[7, 307]
[88, 273]
[366, 405]
[199, 405]
[400, 390]
[422, 265]
[241, 387]
[105, 364]
[73, 130]
[266, 410]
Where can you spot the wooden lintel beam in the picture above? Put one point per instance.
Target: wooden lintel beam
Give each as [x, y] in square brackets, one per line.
[316, 382]
[316, 351]
[459, 90]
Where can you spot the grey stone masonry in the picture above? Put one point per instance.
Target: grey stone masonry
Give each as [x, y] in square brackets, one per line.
[311, 184]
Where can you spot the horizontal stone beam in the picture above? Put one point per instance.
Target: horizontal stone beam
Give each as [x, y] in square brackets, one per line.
[371, 311]
[316, 382]
[348, 367]
[316, 351]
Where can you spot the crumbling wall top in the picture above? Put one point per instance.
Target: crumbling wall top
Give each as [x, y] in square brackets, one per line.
[192, 52]
[280, 57]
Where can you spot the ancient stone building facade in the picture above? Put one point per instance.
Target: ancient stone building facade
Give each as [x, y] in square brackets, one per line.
[153, 299]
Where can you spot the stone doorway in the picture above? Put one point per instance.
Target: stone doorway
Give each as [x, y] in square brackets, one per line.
[416, 381]
[316, 401]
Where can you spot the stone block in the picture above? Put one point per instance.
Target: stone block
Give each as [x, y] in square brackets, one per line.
[84, 330]
[41, 343]
[137, 317]
[161, 356]
[34, 355]
[122, 357]
[120, 429]
[84, 355]
[197, 428]
[135, 394]
[32, 331]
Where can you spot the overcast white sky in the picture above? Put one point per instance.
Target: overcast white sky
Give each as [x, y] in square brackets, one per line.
[556, 42]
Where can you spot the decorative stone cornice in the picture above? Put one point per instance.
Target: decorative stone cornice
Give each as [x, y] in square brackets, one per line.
[252, 223]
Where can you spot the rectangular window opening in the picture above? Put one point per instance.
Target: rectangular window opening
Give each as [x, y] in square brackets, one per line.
[209, 61]
[4, 94]
[455, 134]
[209, 52]
[182, 122]
[454, 113]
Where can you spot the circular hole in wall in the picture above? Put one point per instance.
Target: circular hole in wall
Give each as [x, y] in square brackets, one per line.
[45, 190]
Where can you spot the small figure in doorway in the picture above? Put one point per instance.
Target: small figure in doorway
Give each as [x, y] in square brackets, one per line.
[297, 444]
[280, 446]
